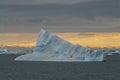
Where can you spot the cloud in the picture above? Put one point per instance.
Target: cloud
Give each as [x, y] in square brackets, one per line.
[94, 15]
[34, 2]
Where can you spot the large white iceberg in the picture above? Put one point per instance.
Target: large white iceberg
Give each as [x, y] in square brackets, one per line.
[50, 47]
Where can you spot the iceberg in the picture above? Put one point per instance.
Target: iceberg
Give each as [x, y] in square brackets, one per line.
[3, 51]
[8, 51]
[50, 47]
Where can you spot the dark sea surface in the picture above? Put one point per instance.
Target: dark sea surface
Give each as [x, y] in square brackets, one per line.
[13, 70]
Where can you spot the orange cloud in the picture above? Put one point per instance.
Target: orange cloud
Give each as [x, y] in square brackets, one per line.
[91, 39]
[16, 39]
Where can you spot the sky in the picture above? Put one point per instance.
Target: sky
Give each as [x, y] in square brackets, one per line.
[37, 2]
[29, 16]
[86, 39]
[58, 16]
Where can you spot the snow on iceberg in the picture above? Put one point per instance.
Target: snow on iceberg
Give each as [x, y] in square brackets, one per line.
[50, 47]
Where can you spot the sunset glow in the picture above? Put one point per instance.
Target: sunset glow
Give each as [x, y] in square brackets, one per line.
[99, 40]
[90, 39]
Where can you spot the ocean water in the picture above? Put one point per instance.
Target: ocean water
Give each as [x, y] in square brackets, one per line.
[12, 70]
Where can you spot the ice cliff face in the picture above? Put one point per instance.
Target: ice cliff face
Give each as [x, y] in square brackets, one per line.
[49, 47]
